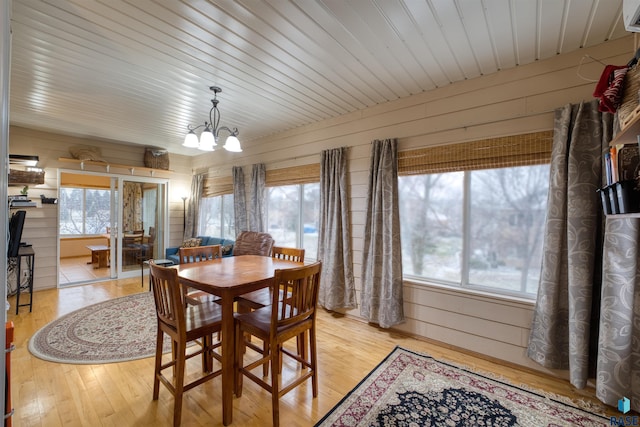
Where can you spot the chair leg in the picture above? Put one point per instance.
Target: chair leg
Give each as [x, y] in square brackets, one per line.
[179, 384]
[239, 361]
[313, 360]
[156, 376]
[275, 389]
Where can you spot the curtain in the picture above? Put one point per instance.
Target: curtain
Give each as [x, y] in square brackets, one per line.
[564, 329]
[337, 289]
[131, 206]
[381, 297]
[257, 219]
[239, 200]
[618, 372]
[193, 207]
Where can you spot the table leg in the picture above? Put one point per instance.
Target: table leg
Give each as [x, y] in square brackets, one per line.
[228, 373]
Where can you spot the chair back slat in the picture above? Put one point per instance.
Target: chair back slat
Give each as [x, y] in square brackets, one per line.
[296, 301]
[168, 296]
[288, 254]
[199, 253]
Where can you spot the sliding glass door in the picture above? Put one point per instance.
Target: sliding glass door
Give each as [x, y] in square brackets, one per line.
[109, 225]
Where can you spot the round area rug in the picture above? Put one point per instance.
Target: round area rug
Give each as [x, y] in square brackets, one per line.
[116, 330]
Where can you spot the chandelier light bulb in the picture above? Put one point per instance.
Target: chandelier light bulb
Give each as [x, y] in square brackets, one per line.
[232, 144]
[191, 140]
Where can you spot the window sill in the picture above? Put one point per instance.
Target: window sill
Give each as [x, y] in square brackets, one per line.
[473, 293]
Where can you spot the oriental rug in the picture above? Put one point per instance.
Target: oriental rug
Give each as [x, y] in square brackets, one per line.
[411, 389]
[116, 330]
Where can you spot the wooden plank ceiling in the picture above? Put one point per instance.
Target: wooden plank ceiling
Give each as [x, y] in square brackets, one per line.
[139, 71]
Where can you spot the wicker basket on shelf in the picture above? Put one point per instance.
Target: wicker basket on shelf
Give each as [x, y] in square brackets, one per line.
[630, 98]
[156, 158]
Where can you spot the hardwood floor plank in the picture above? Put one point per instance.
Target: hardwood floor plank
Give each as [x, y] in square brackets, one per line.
[120, 394]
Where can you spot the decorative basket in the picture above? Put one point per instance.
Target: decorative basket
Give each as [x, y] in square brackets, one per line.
[630, 99]
[156, 158]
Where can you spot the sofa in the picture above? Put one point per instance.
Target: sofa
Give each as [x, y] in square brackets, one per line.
[227, 247]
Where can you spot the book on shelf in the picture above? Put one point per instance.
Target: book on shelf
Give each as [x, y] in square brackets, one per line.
[622, 163]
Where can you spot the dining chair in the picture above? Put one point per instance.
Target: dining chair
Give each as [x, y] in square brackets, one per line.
[182, 324]
[262, 297]
[198, 254]
[291, 313]
[132, 247]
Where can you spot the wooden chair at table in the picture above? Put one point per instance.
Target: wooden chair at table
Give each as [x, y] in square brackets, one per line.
[290, 314]
[132, 247]
[262, 297]
[182, 324]
[198, 254]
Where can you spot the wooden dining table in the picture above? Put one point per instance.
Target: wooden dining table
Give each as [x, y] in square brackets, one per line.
[228, 278]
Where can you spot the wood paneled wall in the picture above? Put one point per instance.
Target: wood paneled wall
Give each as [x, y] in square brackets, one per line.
[510, 102]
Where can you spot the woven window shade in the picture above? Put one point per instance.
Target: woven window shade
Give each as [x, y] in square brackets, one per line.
[217, 186]
[508, 151]
[304, 174]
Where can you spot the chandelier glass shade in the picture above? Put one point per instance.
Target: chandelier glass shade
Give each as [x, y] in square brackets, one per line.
[210, 135]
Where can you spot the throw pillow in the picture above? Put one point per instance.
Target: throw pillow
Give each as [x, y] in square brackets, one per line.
[191, 243]
[226, 249]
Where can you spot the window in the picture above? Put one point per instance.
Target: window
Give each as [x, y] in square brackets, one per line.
[477, 229]
[293, 216]
[217, 217]
[472, 215]
[84, 211]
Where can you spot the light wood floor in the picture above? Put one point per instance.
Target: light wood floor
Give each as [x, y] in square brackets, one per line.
[119, 394]
[80, 269]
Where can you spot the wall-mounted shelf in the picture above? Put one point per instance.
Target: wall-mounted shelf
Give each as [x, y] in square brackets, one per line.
[630, 129]
[95, 166]
[25, 177]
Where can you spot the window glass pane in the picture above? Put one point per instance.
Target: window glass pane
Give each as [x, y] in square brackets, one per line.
[217, 217]
[210, 221]
[228, 218]
[507, 216]
[310, 220]
[431, 208]
[84, 211]
[283, 220]
[71, 211]
[97, 211]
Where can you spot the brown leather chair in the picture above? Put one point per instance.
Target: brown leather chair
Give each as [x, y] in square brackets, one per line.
[291, 313]
[182, 324]
[253, 243]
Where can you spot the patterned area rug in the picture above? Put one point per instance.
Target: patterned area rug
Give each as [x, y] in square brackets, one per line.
[410, 389]
[116, 330]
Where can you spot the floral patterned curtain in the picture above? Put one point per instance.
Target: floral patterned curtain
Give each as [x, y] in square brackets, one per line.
[193, 207]
[257, 216]
[239, 200]
[337, 289]
[131, 206]
[381, 298]
[564, 330]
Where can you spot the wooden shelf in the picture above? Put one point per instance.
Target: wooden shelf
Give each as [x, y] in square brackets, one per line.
[108, 167]
[630, 129]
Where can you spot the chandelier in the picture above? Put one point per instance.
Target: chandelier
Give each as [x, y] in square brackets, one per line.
[210, 134]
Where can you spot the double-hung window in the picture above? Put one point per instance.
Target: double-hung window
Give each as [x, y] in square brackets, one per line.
[472, 215]
[216, 216]
[84, 211]
[293, 207]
